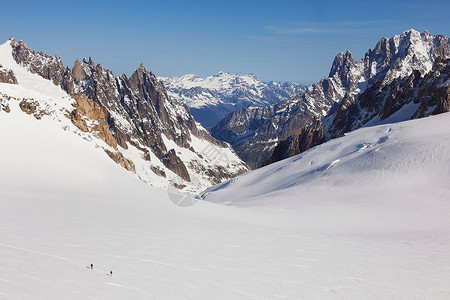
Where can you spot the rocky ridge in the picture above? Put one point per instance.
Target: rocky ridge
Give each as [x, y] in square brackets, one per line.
[255, 132]
[411, 97]
[135, 117]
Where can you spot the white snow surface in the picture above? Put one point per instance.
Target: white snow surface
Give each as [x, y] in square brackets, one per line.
[361, 217]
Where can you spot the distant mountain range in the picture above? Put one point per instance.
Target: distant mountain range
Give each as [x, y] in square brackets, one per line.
[355, 93]
[212, 98]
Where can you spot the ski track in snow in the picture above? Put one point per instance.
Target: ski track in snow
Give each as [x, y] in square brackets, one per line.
[80, 265]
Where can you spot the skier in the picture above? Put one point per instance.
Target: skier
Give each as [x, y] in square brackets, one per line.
[110, 273]
[92, 266]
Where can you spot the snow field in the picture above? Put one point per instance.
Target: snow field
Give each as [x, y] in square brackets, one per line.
[64, 206]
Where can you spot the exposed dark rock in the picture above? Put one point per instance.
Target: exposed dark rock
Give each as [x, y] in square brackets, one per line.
[86, 111]
[7, 76]
[32, 107]
[345, 116]
[158, 171]
[176, 165]
[4, 103]
[118, 158]
[434, 92]
[304, 139]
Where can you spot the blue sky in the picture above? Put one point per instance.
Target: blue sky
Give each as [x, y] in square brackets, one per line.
[275, 40]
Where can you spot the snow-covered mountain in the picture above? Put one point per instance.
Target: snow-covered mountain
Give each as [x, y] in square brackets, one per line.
[211, 98]
[363, 216]
[415, 96]
[132, 119]
[255, 132]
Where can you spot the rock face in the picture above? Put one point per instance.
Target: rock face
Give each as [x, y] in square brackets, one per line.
[212, 98]
[174, 163]
[89, 117]
[255, 132]
[7, 76]
[121, 160]
[132, 113]
[411, 97]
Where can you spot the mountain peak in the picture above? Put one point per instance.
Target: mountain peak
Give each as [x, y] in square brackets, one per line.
[342, 63]
[412, 30]
[221, 74]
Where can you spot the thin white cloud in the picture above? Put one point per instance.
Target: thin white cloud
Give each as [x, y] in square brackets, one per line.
[267, 38]
[304, 28]
[297, 30]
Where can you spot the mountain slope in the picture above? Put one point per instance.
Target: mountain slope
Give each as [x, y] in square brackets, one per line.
[351, 238]
[386, 166]
[210, 99]
[144, 130]
[254, 133]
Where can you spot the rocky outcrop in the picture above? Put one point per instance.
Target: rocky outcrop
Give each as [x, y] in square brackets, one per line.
[118, 158]
[7, 76]
[176, 165]
[89, 117]
[158, 171]
[254, 132]
[32, 107]
[4, 103]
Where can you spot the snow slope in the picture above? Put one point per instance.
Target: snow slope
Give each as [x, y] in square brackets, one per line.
[372, 225]
[394, 162]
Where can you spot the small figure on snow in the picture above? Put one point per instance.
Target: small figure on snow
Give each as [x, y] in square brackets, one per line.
[92, 266]
[110, 273]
